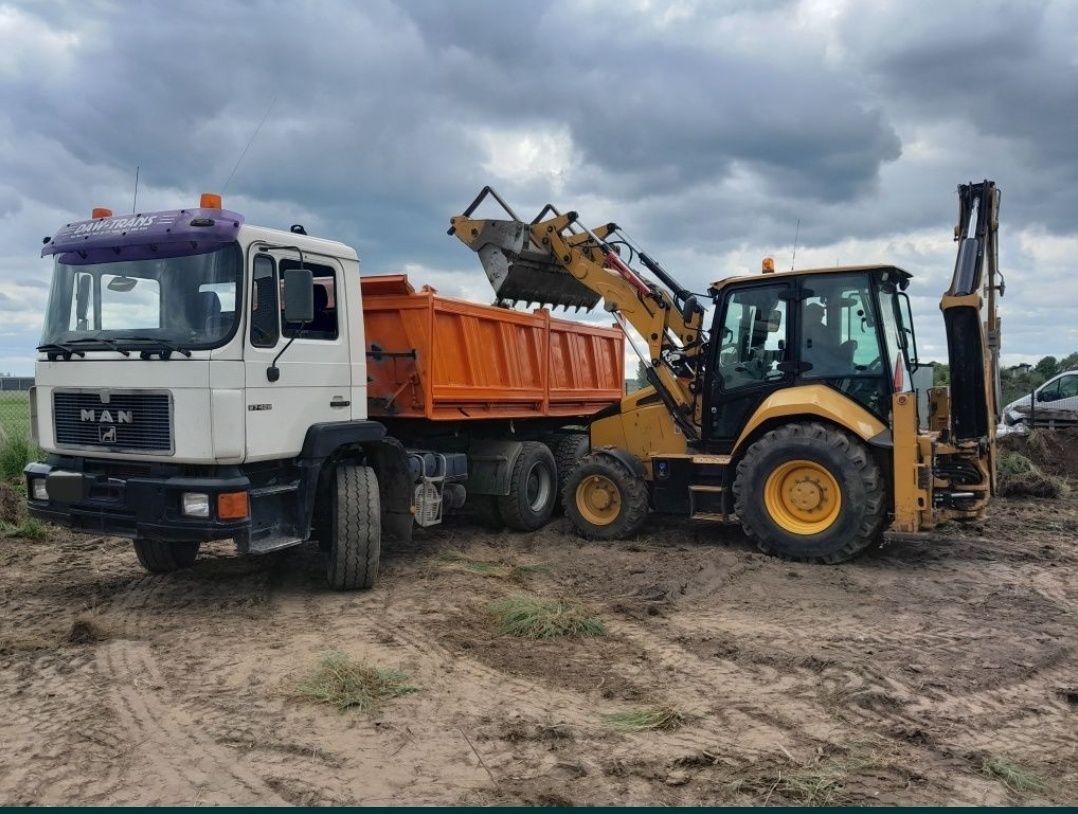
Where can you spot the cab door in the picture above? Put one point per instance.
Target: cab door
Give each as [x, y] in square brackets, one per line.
[749, 359]
[314, 382]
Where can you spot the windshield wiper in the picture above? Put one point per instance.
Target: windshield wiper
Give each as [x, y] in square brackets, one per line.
[112, 343]
[165, 349]
[55, 348]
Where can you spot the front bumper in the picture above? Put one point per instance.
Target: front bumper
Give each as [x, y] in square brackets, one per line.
[101, 497]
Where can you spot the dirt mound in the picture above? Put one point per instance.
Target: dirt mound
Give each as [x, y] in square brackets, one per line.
[10, 504]
[1053, 451]
[1020, 477]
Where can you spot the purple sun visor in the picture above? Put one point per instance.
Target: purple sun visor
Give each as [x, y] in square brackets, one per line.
[143, 236]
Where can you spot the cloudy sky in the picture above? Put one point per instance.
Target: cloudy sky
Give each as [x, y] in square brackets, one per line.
[706, 129]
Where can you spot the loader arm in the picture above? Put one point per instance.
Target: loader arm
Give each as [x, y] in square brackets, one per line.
[556, 260]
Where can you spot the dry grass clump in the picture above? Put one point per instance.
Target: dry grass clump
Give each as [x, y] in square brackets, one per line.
[347, 684]
[28, 529]
[1020, 477]
[500, 570]
[530, 617]
[645, 719]
[1013, 776]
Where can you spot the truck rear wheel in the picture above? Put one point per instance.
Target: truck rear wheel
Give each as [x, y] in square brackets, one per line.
[355, 539]
[162, 557]
[603, 499]
[532, 489]
[810, 492]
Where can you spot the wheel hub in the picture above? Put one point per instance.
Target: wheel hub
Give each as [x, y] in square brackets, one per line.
[803, 497]
[598, 500]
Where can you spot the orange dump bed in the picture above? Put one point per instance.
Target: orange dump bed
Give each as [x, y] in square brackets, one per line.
[478, 361]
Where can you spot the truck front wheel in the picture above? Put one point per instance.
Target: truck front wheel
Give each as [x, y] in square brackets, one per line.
[355, 539]
[161, 557]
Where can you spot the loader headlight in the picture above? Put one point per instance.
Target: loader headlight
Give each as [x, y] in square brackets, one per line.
[38, 490]
[195, 504]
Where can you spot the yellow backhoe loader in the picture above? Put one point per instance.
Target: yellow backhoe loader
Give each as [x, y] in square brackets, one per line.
[793, 412]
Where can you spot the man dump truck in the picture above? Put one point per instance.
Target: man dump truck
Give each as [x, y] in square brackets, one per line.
[791, 411]
[202, 378]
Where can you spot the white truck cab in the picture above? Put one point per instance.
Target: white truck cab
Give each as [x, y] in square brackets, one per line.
[195, 376]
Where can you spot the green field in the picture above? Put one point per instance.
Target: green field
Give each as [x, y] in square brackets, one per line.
[15, 415]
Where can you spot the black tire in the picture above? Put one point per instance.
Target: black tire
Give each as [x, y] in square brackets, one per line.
[532, 489]
[355, 539]
[568, 450]
[631, 498]
[161, 557]
[859, 517]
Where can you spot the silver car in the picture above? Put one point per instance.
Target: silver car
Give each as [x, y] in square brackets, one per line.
[1054, 403]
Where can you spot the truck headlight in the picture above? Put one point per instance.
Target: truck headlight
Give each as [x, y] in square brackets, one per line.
[195, 504]
[38, 490]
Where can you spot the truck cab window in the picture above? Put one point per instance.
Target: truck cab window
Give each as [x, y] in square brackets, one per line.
[324, 324]
[265, 308]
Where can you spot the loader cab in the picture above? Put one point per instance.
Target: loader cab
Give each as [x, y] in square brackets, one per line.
[847, 329]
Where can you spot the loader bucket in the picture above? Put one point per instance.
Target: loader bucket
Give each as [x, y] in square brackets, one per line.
[520, 270]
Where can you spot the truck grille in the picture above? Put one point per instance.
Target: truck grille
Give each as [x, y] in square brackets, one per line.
[128, 421]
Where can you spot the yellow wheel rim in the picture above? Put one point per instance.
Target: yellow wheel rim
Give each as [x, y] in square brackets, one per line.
[598, 500]
[802, 497]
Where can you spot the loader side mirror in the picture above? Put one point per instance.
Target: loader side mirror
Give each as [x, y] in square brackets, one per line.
[298, 296]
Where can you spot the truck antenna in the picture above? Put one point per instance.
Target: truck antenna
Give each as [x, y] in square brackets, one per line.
[134, 202]
[797, 231]
[247, 146]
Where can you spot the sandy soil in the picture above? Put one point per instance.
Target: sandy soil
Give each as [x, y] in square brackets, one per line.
[892, 679]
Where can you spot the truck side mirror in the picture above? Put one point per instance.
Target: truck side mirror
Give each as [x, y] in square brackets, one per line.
[298, 296]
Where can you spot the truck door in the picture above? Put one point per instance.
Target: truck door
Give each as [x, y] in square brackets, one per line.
[749, 358]
[314, 385]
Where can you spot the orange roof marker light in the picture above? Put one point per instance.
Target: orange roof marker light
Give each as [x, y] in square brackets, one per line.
[209, 200]
[99, 212]
[769, 265]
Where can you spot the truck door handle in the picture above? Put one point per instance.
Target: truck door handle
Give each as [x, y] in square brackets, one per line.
[339, 402]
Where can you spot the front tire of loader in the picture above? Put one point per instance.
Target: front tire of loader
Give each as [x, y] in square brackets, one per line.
[355, 539]
[568, 450]
[604, 500]
[161, 557]
[533, 489]
[810, 492]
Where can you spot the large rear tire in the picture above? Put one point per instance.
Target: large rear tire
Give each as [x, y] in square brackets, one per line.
[355, 539]
[532, 489]
[810, 492]
[604, 499]
[161, 557]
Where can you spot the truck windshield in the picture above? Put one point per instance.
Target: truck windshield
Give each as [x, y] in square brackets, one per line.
[188, 301]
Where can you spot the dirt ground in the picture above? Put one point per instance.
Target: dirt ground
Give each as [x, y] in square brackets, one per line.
[893, 679]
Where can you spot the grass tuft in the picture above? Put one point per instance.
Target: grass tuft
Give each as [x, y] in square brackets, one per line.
[347, 684]
[1013, 776]
[29, 529]
[646, 719]
[532, 618]
[16, 452]
[455, 558]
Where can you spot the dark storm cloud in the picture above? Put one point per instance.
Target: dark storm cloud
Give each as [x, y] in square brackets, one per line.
[708, 129]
